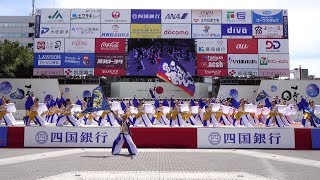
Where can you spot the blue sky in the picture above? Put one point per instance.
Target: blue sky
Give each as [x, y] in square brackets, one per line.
[304, 26]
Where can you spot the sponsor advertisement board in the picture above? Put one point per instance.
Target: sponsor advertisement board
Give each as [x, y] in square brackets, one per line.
[206, 16]
[109, 72]
[242, 72]
[211, 46]
[212, 61]
[48, 60]
[274, 61]
[85, 31]
[145, 30]
[285, 27]
[273, 46]
[115, 30]
[78, 71]
[212, 72]
[55, 30]
[55, 16]
[69, 137]
[146, 16]
[116, 16]
[236, 31]
[110, 61]
[175, 16]
[206, 31]
[242, 46]
[75, 45]
[236, 16]
[48, 45]
[78, 60]
[48, 71]
[267, 31]
[37, 26]
[176, 31]
[274, 72]
[113, 46]
[273, 16]
[243, 61]
[85, 16]
[246, 138]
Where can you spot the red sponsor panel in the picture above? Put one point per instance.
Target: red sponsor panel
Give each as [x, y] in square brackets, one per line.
[15, 137]
[109, 72]
[109, 45]
[48, 71]
[212, 72]
[165, 137]
[217, 61]
[242, 46]
[111, 61]
[303, 138]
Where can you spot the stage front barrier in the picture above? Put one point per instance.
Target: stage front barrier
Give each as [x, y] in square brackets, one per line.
[3, 136]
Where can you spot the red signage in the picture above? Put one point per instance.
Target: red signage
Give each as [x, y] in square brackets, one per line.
[109, 72]
[242, 46]
[212, 61]
[111, 61]
[212, 72]
[106, 45]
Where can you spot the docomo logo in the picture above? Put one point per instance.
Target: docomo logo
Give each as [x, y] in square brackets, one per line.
[110, 46]
[177, 32]
[242, 46]
[273, 45]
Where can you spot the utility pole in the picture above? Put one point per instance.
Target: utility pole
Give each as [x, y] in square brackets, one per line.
[33, 1]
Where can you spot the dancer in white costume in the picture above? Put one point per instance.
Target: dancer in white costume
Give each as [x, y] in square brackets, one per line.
[240, 116]
[124, 136]
[5, 115]
[141, 116]
[33, 114]
[68, 116]
[274, 115]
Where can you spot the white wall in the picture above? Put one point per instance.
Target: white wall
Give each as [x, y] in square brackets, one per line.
[246, 92]
[141, 90]
[73, 92]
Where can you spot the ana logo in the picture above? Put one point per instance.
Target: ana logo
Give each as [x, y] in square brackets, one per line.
[115, 14]
[44, 30]
[237, 30]
[263, 61]
[41, 137]
[115, 27]
[41, 45]
[242, 46]
[176, 16]
[56, 15]
[241, 15]
[258, 30]
[214, 138]
[273, 45]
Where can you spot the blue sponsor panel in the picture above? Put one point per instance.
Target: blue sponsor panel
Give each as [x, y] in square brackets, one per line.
[78, 60]
[315, 138]
[229, 30]
[3, 136]
[49, 60]
[267, 16]
[146, 16]
[37, 26]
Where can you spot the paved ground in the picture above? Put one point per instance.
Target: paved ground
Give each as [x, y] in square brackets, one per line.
[94, 163]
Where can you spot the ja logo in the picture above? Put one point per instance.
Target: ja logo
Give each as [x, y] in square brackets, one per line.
[214, 138]
[56, 15]
[41, 137]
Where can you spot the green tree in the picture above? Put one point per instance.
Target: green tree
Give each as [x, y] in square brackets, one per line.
[15, 61]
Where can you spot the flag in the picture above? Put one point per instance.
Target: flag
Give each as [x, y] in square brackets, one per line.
[123, 106]
[135, 102]
[98, 101]
[192, 103]
[79, 103]
[156, 103]
[29, 103]
[172, 104]
[152, 93]
[267, 103]
[235, 103]
[303, 104]
[173, 72]
[165, 102]
[261, 95]
[201, 103]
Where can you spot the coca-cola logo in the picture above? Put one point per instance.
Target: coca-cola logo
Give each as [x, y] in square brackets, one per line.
[110, 46]
[242, 46]
[115, 14]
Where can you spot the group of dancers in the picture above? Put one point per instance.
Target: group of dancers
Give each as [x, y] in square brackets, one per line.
[171, 113]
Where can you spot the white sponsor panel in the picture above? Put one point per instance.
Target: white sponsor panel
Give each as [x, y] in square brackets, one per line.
[206, 16]
[70, 137]
[206, 31]
[246, 138]
[238, 92]
[212, 46]
[243, 61]
[49, 62]
[178, 31]
[274, 61]
[115, 30]
[242, 72]
[55, 16]
[74, 45]
[85, 30]
[267, 31]
[85, 16]
[175, 16]
[54, 30]
[116, 16]
[48, 45]
[236, 16]
[78, 71]
[273, 46]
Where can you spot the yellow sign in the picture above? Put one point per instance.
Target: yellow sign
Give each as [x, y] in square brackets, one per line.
[145, 30]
